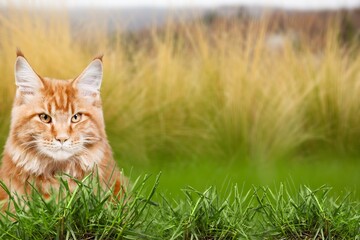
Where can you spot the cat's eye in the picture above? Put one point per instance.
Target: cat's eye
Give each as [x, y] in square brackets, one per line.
[45, 118]
[76, 118]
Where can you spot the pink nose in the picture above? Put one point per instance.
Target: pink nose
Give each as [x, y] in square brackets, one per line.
[62, 139]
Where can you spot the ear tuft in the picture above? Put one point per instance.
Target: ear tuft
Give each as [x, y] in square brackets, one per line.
[89, 81]
[19, 53]
[100, 57]
[26, 79]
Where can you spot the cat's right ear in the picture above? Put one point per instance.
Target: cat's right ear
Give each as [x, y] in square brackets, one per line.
[27, 81]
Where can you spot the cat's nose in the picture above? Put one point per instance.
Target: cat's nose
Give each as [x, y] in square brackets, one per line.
[62, 138]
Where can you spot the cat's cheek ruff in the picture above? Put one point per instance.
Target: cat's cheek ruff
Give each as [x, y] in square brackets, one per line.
[28, 161]
[89, 161]
[37, 164]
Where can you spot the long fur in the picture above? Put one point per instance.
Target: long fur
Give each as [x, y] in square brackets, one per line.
[32, 152]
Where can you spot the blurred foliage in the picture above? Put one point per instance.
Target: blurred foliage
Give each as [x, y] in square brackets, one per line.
[193, 90]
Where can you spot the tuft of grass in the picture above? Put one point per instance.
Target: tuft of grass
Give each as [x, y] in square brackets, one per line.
[260, 213]
[88, 212]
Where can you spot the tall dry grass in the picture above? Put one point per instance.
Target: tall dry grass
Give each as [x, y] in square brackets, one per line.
[190, 91]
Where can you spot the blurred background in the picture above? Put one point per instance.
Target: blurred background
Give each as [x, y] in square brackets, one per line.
[208, 92]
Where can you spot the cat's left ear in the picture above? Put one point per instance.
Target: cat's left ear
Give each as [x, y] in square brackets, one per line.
[89, 81]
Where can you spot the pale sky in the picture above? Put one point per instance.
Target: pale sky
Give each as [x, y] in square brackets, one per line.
[309, 4]
[298, 4]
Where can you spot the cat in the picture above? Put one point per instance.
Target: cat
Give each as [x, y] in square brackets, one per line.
[57, 128]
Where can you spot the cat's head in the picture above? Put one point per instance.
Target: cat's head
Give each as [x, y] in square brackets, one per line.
[58, 119]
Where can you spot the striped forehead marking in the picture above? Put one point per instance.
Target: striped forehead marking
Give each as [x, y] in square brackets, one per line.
[59, 96]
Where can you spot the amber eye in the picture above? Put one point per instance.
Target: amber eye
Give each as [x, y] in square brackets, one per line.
[45, 118]
[76, 118]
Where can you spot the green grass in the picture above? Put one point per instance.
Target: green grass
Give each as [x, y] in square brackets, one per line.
[259, 213]
[342, 175]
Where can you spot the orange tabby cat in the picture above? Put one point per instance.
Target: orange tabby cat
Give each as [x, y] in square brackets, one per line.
[57, 127]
